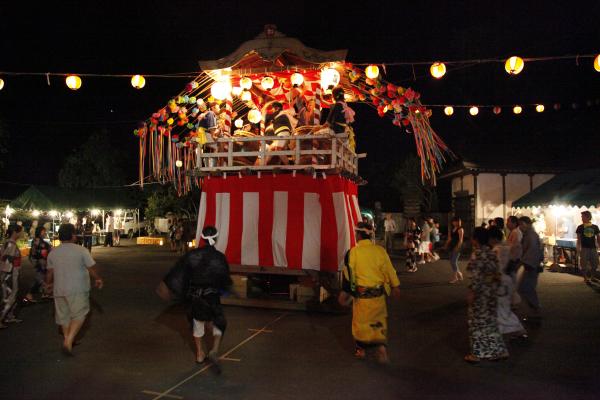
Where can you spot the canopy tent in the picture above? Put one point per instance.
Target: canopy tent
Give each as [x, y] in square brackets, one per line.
[46, 198]
[169, 138]
[577, 189]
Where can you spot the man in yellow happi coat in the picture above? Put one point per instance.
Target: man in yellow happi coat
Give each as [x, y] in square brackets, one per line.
[368, 277]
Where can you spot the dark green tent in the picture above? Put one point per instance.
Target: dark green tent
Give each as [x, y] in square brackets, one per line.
[46, 198]
[580, 188]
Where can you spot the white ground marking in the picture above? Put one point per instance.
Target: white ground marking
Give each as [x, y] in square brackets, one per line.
[223, 357]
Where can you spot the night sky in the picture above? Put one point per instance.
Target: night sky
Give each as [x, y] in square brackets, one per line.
[47, 122]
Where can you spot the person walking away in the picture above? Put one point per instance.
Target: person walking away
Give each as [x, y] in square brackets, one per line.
[172, 230]
[412, 238]
[69, 270]
[38, 256]
[588, 236]
[435, 237]
[454, 245]
[109, 227]
[530, 259]
[508, 322]
[117, 231]
[9, 274]
[515, 237]
[425, 244]
[198, 279]
[485, 340]
[390, 228]
[88, 233]
[368, 276]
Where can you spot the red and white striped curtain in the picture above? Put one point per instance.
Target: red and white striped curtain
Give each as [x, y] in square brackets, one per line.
[286, 221]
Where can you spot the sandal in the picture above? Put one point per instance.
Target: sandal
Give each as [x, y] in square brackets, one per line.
[472, 359]
[360, 353]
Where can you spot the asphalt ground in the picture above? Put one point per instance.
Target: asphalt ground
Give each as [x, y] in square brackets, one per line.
[138, 347]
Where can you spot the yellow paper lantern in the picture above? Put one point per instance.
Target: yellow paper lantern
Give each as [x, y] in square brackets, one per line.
[246, 96]
[539, 108]
[138, 81]
[438, 69]
[473, 111]
[246, 83]
[330, 78]
[236, 91]
[220, 90]
[73, 82]
[517, 109]
[372, 71]
[597, 63]
[514, 65]
[1, 84]
[179, 163]
[297, 79]
[254, 116]
[239, 123]
[267, 83]
[449, 110]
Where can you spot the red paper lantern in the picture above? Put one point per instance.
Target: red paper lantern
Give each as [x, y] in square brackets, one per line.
[497, 110]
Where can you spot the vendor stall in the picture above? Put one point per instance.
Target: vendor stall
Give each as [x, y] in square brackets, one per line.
[556, 206]
[54, 205]
[266, 132]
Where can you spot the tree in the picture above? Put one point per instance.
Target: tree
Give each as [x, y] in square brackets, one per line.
[165, 200]
[96, 163]
[416, 195]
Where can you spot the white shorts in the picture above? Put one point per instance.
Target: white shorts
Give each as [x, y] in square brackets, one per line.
[199, 329]
[424, 246]
[69, 308]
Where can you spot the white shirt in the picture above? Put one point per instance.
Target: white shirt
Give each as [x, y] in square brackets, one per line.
[389, 225]
[110, 224]
[70, 263]
[514, 242]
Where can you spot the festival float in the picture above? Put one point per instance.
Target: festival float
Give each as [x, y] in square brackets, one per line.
[278, 181]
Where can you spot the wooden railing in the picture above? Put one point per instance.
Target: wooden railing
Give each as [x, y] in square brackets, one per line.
[321, 152]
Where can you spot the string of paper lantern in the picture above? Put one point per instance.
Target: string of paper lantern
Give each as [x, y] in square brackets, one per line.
[474, 109]
[512, 65]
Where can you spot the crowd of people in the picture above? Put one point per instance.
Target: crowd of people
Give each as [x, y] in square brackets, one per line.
[502, 273]
[281, 120]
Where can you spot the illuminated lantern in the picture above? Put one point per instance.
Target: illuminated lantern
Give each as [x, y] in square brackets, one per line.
[497, 110]
[179, 163]
[246, 96]
[254, 116]
[236, 91]
[138, 81]
[539, 108]
[514, 65]
[297, 79]
[597, 63]
[1, 84]
[517, 109]
[220, 90]
[194, 84]
[372, 71]
[35, 213]
[329, 78]
[239, 123]
[449, 111]
[267, 83]
[73, 82]
[557, 107]
[437, 70]
[246, 83]
[170, 121]
[473, 111]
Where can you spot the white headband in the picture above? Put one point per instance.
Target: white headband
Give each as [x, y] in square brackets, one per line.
[211, 239]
